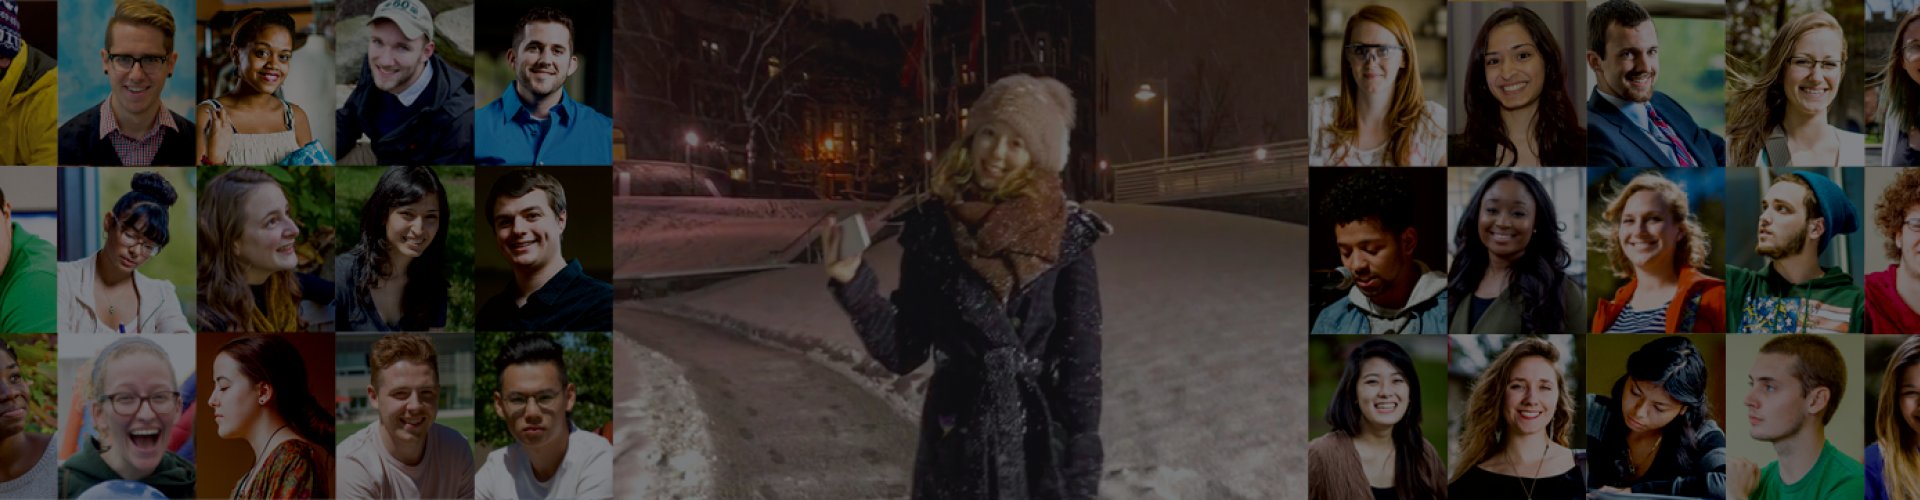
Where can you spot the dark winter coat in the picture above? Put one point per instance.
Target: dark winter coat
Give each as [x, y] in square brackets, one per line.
[1013, 408]
[440, 132]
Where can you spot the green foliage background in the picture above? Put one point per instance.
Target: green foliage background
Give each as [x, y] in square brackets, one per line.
[310, 192]
[355, 184]
[38, 364]
[176, 263]
[589, 367]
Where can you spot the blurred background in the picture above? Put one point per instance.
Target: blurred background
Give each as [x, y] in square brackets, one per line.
[352, 375]
[1693, 58]
[76, 374]
[220, 462]
[1327, 360]
[1706, 195]
[39, 365]
[1567, 187]
[1567, 20]
[1842, 431]
[88, 195]
[1324, 252]
[347, 30]
[1326, 32]
[589, 368]
[1753, 24]
[83, 80]
[1470, 356]
[1607, 362]
[589, 233]
[310, 196]
[592, 79]
[1747, 186]
[306, 81]
[353, 185]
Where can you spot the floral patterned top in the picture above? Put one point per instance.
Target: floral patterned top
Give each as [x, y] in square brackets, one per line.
[295, 469]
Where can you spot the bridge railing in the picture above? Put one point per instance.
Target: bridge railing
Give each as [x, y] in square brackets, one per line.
[1260, 168]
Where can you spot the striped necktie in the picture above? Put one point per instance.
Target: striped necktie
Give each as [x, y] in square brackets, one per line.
[1679, 150]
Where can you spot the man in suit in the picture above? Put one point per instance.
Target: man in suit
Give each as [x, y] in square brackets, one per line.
[1628, 123]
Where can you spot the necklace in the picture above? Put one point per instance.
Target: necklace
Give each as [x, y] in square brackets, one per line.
[1526, 487]
[1633, 470]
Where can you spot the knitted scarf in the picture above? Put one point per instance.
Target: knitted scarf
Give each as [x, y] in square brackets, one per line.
[281, 313]
[1011, 242]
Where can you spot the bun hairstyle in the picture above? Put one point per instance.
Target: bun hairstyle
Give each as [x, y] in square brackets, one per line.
[248, 26]
[144, 209]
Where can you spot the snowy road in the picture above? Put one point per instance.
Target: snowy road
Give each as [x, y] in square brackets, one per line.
[783, 426]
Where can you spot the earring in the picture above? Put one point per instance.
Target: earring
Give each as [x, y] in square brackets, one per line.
[263, 401]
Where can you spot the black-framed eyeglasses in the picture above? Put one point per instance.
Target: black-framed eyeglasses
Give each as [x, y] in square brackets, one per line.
[133, 238]
[1364, 53]
[149, 64]
[126, 404]
[517, 402]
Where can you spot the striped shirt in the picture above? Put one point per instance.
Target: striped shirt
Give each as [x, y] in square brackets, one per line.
[135, 151]
[1640, 321]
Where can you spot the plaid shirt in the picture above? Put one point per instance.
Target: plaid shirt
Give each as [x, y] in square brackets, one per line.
[135, 151]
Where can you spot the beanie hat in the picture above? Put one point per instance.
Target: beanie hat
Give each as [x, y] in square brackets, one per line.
[1039, 110]
[9, 29]
[1840, 213]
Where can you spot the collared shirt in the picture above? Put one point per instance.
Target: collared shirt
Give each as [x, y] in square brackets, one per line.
[135, 151]
[571, 301]
[506, 133]
[412, 93]
[1637, 112]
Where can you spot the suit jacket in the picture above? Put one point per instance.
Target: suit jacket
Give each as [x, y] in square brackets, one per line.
[1614, 141]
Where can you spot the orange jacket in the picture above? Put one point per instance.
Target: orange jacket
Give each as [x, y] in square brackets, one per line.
[1709, 317]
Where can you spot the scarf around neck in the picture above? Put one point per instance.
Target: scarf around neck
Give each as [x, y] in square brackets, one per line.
[1011, 242]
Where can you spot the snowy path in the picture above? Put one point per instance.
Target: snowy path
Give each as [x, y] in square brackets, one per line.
[782, 426]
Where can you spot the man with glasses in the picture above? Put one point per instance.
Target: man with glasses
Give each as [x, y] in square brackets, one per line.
[132, 126]
[535, 122]
[413, 108]
[1893, 295]
[29, 278]
[549, 457]
[1629, 123]
[135, 404]
[406, 453]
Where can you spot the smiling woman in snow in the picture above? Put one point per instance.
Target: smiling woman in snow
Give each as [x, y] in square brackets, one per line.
[998, 285]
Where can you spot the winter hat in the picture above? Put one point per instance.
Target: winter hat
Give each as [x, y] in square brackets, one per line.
[1834, 206]
[9, 29]
[1038, 109]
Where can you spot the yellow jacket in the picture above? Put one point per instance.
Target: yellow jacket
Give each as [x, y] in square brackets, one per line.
[29, 125]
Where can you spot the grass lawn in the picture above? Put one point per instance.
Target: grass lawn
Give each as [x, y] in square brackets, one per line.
[462, 424]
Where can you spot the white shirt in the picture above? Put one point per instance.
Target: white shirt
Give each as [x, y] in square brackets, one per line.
[413, 92]
[366, 470]
[586, 472]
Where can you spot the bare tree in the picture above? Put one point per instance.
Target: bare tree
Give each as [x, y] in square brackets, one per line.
[1206, 113]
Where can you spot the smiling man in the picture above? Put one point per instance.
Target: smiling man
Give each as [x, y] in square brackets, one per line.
[528, 213]
[1392, 291]
[535, 122]
[405, 454]
[1628, 122]
[412, 106]
[549, 457]
[1794, 388]
[1800, 215]
[132, 126]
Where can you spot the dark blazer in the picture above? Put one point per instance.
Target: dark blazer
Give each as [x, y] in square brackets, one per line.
[1614, 141]
[81, 144]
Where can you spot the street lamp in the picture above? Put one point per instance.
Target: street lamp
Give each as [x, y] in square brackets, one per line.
[1260, 155]
[1145, 94]
[693, 182]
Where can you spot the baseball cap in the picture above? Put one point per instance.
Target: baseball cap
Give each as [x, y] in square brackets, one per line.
[411, 15]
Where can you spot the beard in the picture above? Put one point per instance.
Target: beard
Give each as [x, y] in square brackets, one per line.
[1791, 244]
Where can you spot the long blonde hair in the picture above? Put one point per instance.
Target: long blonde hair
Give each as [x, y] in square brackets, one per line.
[953, 177]
[1409, 105]
[1898, 441]
[1485, 433]
[1756, 103]
[1694, 244]
[1900, 94]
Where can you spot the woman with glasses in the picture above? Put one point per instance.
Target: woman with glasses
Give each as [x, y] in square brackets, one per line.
[260, 395]
[105, 292]
[1518, 110]
[251, 124]
[1778, 108]
[1380, 117]
[134, 405]
[247, 280]
[1901, 93]
[1891, 292]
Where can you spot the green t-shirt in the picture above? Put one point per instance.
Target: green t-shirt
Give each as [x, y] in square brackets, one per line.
[28, 285]
[1834, 475]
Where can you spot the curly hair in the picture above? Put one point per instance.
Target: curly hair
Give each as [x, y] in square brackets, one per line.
[1890, 213]
[1693, 236]
[1556, 124]
[1536, 276]
[1756, 96]
[1485, 432]
[1375, 193]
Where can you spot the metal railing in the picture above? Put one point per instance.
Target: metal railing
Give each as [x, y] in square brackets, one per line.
[1244, 170]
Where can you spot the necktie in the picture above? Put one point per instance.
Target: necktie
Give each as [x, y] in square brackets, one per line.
[1680, 155]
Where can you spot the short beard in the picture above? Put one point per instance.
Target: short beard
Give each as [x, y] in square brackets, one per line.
[1784, 247]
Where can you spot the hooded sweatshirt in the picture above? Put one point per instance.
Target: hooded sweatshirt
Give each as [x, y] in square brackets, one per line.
[1425, 312]
[1765, 302]
[1886, 311]
[173, 476]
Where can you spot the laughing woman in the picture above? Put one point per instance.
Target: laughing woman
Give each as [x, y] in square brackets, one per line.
[260, 395]
[253, 125]
[1518, 112]
[134, 410]
[1375, 450]
[1778, 111]
[247, 280]
[395, 278]
[1514, 442]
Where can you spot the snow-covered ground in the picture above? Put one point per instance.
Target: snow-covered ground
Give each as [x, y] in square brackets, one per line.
[1204, 312]
[658, 234]
[674, 448]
